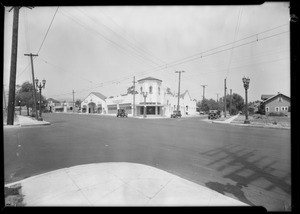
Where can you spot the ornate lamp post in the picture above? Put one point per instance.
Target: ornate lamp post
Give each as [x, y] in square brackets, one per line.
[246, 82]
[145, 94]
[20, 106]
[40, 86]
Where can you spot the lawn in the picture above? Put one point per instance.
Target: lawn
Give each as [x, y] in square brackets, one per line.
[279, 121]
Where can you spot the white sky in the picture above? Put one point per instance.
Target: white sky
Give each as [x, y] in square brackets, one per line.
[87, 46]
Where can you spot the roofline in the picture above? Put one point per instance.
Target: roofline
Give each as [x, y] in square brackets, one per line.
[267, 100]
[93, 92]
[155, 79]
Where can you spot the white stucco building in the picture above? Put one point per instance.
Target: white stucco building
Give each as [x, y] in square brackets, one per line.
[94, 103]
[151, 95]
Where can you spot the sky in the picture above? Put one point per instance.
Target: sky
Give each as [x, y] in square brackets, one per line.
[102, 48]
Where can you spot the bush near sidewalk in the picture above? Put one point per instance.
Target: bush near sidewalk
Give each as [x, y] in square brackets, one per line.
[280, 121]
[13, 196]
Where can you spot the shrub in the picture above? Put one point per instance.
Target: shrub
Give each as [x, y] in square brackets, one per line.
[279, 114]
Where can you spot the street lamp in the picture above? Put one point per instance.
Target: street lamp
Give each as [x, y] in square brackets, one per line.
[145, 94]
[40, 86]
[20, 106]
[246, 82]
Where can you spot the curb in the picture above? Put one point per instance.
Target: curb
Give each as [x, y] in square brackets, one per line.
[38, 124]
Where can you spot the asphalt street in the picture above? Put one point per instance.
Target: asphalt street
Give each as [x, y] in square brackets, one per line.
[246, 163]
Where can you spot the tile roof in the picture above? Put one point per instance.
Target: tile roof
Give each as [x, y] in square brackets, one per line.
[101, 96]
[149, 78]
[266, 96]
[273, 97]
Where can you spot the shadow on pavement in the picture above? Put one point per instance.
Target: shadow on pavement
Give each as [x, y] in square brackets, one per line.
[269, 179]
[235, 190]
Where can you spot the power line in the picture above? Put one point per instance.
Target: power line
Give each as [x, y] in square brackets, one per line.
[107, 39]
[129, 43]
[122, 29]
[177, 62]
[235, 35]
[48, 30]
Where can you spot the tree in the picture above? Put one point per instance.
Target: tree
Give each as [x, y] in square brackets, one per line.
[25, 95]
[206, 105]
[78, 102]
[130, 90]
[237, 103]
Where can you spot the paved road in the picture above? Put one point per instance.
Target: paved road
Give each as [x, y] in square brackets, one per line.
[246, 163]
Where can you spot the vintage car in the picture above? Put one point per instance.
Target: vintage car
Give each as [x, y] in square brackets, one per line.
[214, 114]
[176, 114]
[122, 113]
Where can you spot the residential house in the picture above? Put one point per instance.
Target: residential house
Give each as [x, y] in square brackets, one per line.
[52, 104]
[276, 103]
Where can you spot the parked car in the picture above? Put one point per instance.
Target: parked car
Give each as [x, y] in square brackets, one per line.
[201, 112]
[176, 114]
[214, 114]
[122, 113]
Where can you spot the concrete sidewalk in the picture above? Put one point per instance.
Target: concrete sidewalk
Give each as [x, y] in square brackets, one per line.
[229, 120]
[117, 184]
[25, 121]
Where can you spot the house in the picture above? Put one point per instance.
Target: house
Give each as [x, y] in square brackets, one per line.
[52, 104]
[94, 103]
[276, 103]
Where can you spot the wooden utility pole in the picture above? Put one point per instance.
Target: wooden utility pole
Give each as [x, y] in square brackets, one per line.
[73, 102]
[230, 107]
[225, 97]
[133, 106]
[217, 97]
[4, 98]
[33, 83]
[203, 91]
[179, 88]
[13, 68]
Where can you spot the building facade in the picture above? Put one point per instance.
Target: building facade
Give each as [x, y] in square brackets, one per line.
[150, 98]
[278, 103]
[94, 103]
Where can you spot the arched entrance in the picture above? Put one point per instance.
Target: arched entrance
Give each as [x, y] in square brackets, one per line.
[91, 107]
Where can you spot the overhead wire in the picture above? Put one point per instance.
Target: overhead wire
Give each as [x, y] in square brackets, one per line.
[235, 36]
[129, 43]
[126, 51]
[41, 43]
[48, 30]
[197, 56]
[122, 29]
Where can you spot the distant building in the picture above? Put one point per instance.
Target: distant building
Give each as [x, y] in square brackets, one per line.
[94, 103]
[276, 103]
[158, 102]
[52, 104]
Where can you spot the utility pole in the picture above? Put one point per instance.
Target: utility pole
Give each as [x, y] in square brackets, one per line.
[133, 106]
[34, 92]
[230, 107]
[73, 102]
[4, 98]
[225, 97]
[13, 67]
[217, 97]
[203, 91]
[179, 88]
